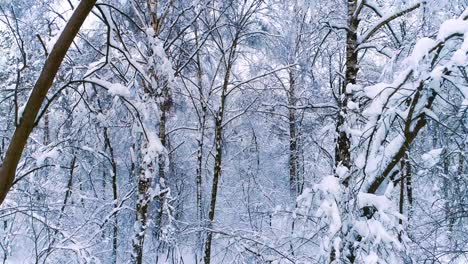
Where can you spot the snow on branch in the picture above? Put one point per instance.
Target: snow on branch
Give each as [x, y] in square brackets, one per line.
[408, 98]
[385, 20]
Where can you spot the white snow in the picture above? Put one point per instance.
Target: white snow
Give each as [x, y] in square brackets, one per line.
[451, 27]
[372, 258]
[420, 50]
[342, 171]
[154, 147]
[437, 73]
[431, 158]
[112, 88]
[329, 184]
[119, 90]
[330, 188]
[330, 209]
[373, 229]
[380, 202]
[374, 90]
[459, 57]
[350, 88]
[94, 66]
[20, 111]
[42, 156]
[352, 105]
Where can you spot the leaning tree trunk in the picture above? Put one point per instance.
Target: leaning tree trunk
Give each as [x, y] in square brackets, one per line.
[44, 82]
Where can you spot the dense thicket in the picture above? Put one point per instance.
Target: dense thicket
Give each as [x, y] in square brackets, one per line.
[234, 131]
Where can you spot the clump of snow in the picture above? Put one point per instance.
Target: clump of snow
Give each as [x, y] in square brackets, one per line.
[420, 50]
[437, 73]
[331, 211]
[459, 57]
[336, 245]
[451, 27]
[305, 198]
[374, 90]
[374, 229]
[372, 258]
[329, 184]
[277, 209]
[350, 88]
[431, 158]
[342, 171]
[374, 109]
[380, 202]
[330, 188]
[150, 32]
[360, 161]
[42, 156]
[163, 64]
[112, 88]
[95, 66]
[119, 89]
[352, 105]
[464, 14]
[21, 110]
[154, 147]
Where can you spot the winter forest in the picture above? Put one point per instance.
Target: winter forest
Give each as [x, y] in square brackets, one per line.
[234, 131]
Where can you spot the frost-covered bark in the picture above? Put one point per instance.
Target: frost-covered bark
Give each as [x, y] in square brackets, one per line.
[228, 59]
[380, 147]
[239, 131]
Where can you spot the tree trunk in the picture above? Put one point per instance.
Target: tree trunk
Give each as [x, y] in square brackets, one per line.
[46, 129]
[144, 183]
[293, 150]
[200, 165]
[402, 203]
[156, 22]
[162, 165]
[115, 230]
[343, 144]
[202, 122]
[44, 82]
[447, 187]
[219, 151]
[409, 183]
[458, 183]
[342, 151]
[405, 177]
[200, 149]
[216, 173]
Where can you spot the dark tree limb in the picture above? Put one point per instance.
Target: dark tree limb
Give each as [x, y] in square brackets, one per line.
[39, 92]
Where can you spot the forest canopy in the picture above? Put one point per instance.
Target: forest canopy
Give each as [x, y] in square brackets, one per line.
[233, 131]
